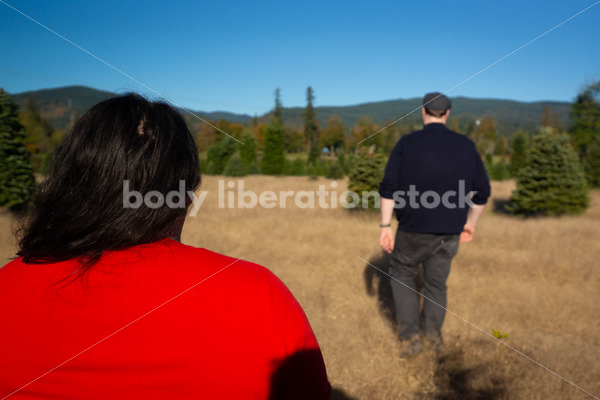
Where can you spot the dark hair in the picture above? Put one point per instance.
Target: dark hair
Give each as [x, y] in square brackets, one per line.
[435, 113]
[79, 210]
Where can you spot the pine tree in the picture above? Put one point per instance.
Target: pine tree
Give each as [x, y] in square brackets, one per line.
[219, 153]
[273, 159]
[247, 149]
[311, 129]
[592, 163]
[253, 169]
[552, 181]
[235, 167]
[499, 170]
[585, 118]
[585, 130]
[17, 183]
[518, 151]
[365, 176]
[298, 167]
[334, 170]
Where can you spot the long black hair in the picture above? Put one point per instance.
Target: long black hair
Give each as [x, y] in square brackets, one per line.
[80, 210]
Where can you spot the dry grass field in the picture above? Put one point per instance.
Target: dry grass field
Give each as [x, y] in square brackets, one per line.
[537, 280]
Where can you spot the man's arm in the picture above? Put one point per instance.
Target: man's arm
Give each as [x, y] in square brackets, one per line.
[386, 238]
[469, 229]
[389, 184]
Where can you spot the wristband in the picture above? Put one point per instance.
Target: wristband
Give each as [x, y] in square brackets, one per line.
[385, 226]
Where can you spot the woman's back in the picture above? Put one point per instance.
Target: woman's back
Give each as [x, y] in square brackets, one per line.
[160, 320]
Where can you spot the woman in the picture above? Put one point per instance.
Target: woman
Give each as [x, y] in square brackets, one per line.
[104, 302]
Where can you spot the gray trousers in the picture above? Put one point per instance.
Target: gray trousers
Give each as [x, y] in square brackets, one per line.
[434, 253]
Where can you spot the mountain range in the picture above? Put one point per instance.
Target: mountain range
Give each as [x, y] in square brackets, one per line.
[61, 106]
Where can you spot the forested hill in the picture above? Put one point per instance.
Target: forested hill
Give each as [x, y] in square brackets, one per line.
[62, 106]
[510, 115]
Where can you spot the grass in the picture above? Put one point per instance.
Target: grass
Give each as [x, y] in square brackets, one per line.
[535, 280]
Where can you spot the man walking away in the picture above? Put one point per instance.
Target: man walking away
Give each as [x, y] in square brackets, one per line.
[436, 182]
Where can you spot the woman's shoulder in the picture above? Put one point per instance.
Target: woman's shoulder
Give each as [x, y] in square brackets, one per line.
[181, 258]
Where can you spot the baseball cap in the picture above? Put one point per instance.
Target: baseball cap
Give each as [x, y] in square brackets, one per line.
[436, 101]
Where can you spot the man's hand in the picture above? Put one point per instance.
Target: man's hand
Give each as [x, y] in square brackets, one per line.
[386, 239]
[469, 229]
[467, 234]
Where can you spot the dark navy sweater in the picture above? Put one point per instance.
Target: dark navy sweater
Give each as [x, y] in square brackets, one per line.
[430, 175]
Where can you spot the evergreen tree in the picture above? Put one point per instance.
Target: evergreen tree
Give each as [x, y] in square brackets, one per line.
[273, 160]
[365, 176]
[247, 149]
[585, 130]
[345, 163]
[235, 167]
[499, 170]
[592, 163]
[585, 119]
[253, 169]
[311, 128]
[17, 183]
[213, 169]
[334, 171]
[219, 153]
[298, 167]
[518, 151]
[552, 181]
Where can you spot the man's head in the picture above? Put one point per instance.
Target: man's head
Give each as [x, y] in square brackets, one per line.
[436, 105]
[436, 108]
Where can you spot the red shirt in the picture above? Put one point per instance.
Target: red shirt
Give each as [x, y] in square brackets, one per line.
[160, 320]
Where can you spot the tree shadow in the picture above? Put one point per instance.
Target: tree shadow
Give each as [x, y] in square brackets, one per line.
[499, 206]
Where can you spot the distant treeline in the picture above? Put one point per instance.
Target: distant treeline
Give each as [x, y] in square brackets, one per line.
[334, 148]
[63, 105]
[312, 133]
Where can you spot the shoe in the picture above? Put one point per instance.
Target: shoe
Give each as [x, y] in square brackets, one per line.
[413, 348]
[435, 343]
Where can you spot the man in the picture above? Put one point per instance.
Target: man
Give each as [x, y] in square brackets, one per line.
[437, 183]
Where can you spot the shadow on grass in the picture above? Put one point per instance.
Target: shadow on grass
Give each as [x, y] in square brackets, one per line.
[338, 394]
[499, 206]
[454, 377]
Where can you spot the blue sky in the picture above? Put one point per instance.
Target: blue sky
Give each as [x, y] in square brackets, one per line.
[231, 56]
